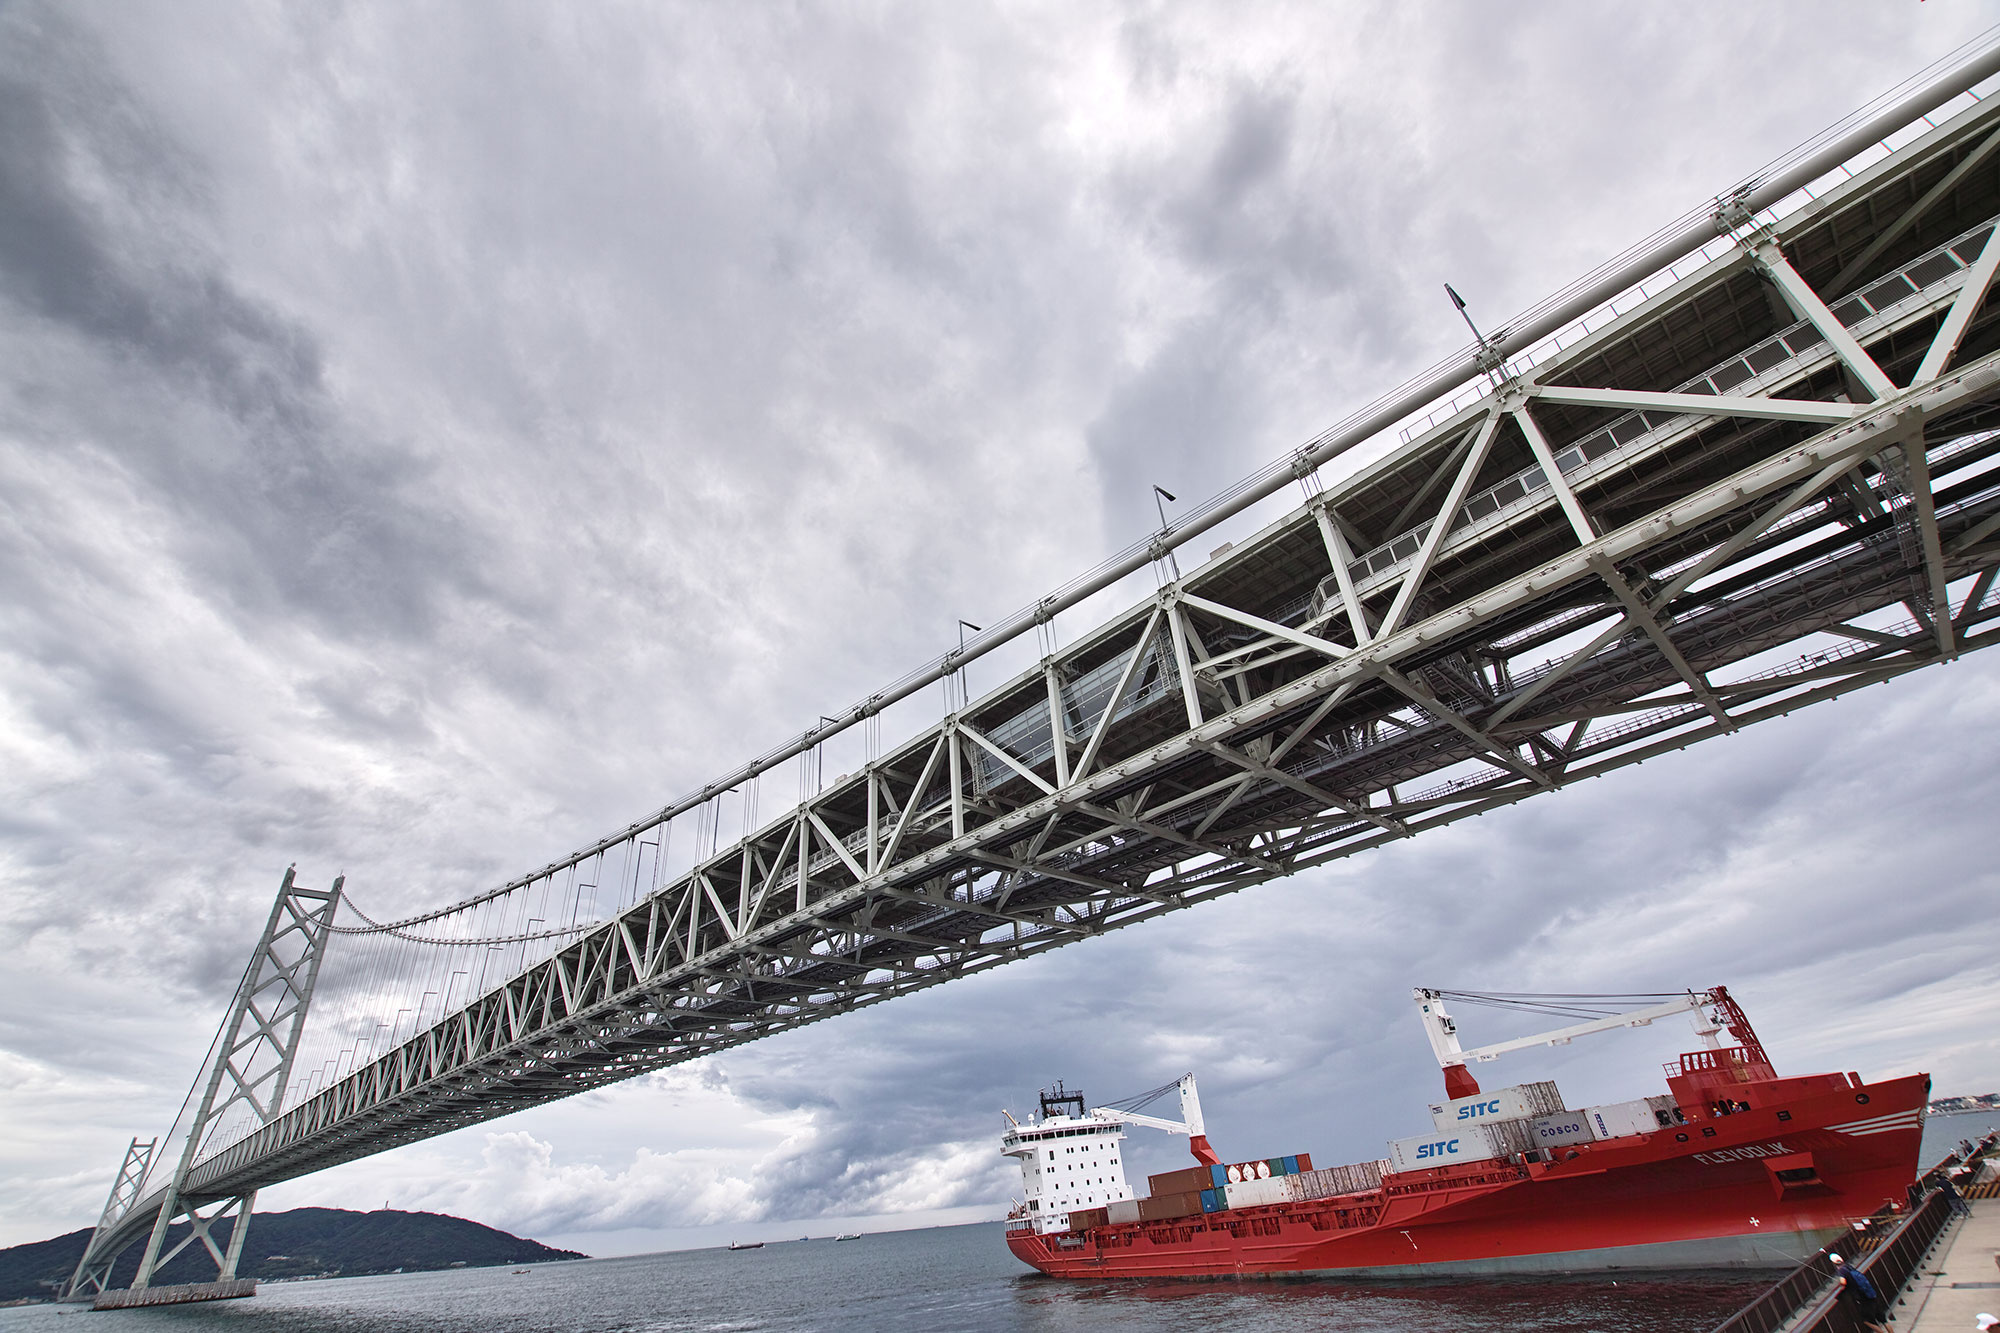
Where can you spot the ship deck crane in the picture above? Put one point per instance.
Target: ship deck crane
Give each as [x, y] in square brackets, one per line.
[1715, 1008]
[1189, 1124]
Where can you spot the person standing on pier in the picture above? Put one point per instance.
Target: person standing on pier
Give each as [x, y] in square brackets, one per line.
[1863, 1297]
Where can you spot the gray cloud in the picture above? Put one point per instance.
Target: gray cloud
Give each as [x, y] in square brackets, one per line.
[429, 439]
[106, 238]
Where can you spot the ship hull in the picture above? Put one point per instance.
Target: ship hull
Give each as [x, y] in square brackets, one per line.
[1704, 1195]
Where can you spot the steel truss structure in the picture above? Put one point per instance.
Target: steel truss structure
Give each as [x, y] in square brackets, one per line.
[249, 1067]
[1768, 482]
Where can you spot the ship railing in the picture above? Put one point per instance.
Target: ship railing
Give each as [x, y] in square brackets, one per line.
[1807, 1300]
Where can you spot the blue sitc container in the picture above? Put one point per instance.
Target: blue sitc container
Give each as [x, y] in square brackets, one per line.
[1219, 1175]
[1211, 1201]
[1291, 1166]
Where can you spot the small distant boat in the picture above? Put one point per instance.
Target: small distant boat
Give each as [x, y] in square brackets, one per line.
[746, 1245]
[519, 1271]
[848, 1235]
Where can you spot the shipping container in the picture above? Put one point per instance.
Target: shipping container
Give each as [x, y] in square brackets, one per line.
[1305, 1161]
[1666, 1113]
[1510, 1138]
[1083, 1219]
[1161, 1207]
[1218, 1175]
[1335, 1180]
[1521, 1102]
[1122, 1210]
[1181, 1181]
[1291, 1165]
[1620, 1119]
[1428, 1150]
[1256, 1193]
[1212, 1201]
[1554, 1131]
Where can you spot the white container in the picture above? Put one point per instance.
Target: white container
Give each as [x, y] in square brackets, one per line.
[1620, 1119]
[1553, 1131]
[1122, 1210]
[1516, 1103]
[1256, 1193]
[1428, 1150]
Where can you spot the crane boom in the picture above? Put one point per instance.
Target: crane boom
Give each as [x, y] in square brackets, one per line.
[1189, 1124]
[1637, 1018]
[1442, 1030]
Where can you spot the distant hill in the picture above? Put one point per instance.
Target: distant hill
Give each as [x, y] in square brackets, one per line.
[304, 1241]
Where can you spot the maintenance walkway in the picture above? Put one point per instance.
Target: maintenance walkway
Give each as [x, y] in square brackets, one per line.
[1964, 1283]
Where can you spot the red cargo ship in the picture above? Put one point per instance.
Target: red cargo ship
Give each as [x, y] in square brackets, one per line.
[1735, 1168]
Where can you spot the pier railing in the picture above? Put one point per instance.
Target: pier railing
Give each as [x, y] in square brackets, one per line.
[1807, 1300]
[1890, 1247]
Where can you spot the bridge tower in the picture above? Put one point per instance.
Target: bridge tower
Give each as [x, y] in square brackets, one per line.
[93, 1272]
[249, 1068]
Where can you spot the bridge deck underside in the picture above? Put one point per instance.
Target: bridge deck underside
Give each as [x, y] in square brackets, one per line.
[1703, 571]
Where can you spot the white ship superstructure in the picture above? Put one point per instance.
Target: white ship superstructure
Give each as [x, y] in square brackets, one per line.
[1068, 1160]
[1072, 1158]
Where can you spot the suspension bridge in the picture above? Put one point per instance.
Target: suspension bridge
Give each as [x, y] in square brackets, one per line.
[1750, 464]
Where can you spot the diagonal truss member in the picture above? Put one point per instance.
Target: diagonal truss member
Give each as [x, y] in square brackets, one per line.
[251, 1065]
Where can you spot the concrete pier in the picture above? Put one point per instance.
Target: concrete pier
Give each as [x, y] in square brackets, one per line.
[229, 1290]
[1944, 1296]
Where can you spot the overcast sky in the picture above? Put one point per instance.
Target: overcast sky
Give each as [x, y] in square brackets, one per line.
[432, 436]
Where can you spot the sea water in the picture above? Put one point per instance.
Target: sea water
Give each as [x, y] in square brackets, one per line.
[947, 1278]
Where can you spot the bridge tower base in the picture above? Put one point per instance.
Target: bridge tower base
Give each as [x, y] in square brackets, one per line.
[223, 1289]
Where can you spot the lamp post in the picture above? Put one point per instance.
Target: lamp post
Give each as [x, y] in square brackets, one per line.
[1162, 497]
[964, 694]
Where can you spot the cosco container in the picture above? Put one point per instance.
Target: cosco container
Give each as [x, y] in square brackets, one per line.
[1428, 1150]
[1516, 1103]
[1620, 1119]
[1553, 1131]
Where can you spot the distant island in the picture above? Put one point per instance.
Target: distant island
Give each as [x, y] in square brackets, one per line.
[1985, 1101]
[305, 1242]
